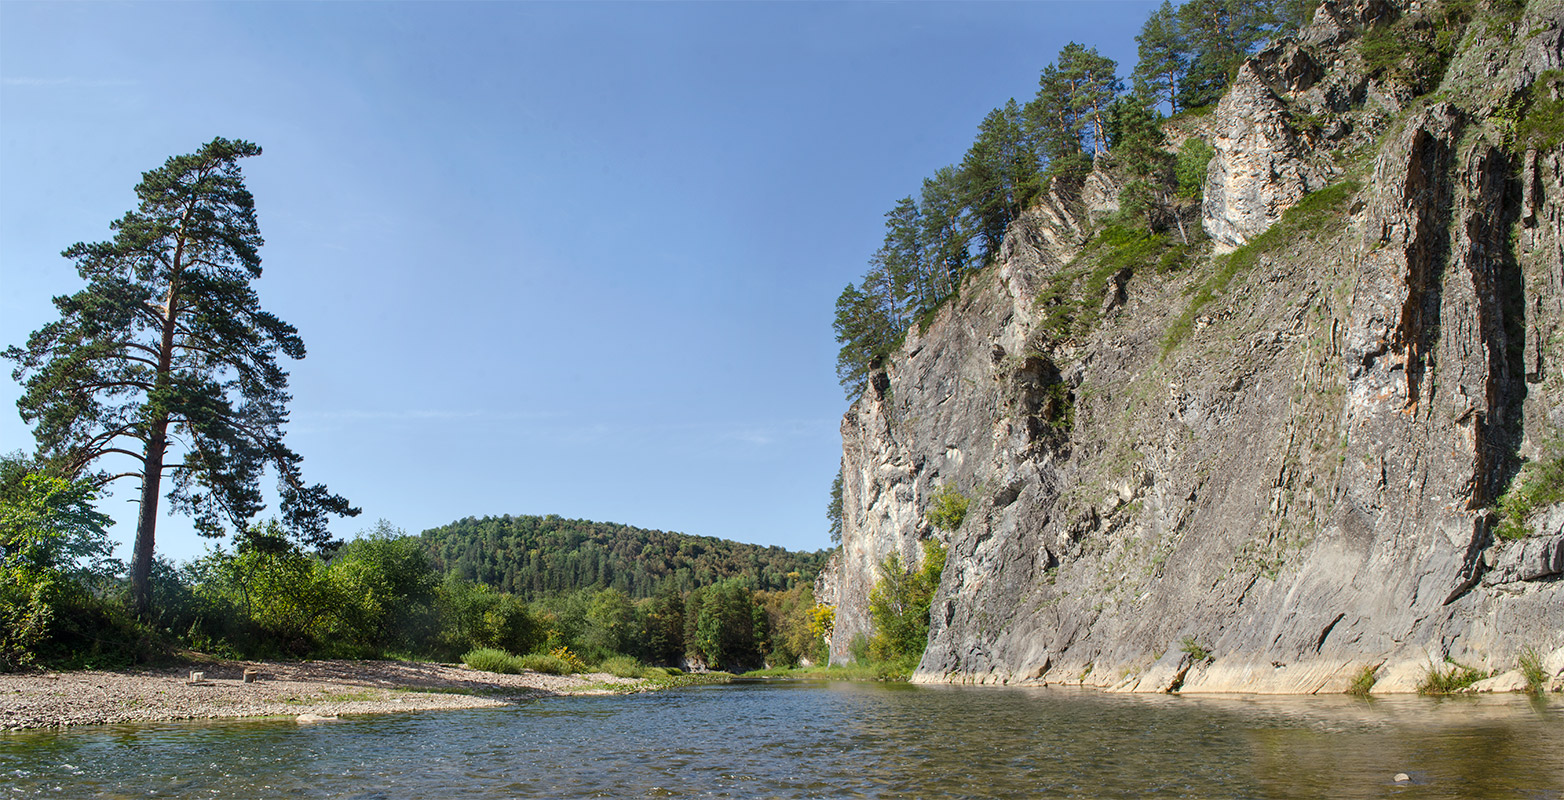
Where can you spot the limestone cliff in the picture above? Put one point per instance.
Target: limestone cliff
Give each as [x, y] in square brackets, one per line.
[1274, 464]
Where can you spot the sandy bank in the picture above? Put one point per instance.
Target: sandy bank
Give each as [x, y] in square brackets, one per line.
[319, 688]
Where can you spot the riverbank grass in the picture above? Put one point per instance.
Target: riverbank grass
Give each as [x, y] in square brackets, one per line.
[1364, 682]
[883, 671]
[1531, 667]
[1449, 680]
[489, 659]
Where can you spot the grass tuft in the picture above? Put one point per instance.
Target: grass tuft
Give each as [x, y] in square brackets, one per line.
[489, 659]
[887, 671]
[547, 664]
[1361, 685]
[1542, 127]
[1531, 667]
[1449, 681]
[680, 679]
[622, 667]
[1196, 652]
[1074, 297]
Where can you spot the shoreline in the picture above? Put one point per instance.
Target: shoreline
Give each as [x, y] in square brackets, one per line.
[308, 691]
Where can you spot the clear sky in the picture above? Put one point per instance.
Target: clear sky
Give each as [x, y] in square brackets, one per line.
[548, 258]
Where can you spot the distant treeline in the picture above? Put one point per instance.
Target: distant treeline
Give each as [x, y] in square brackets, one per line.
[535, 557]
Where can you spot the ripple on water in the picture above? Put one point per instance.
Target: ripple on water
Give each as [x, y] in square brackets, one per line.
[800, 740]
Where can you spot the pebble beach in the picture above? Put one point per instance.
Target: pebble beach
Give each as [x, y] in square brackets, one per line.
[308, 691]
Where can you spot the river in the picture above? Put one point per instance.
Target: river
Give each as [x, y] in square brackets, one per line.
[830, 740]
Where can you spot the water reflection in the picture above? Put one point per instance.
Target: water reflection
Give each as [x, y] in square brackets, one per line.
[833, 740]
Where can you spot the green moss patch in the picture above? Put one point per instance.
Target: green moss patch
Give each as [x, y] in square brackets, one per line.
[1315, 212]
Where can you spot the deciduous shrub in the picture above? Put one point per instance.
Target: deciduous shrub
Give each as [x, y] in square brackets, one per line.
[491, 659]
[1193, 158]
[51, 539]
[899, 606]
[547, 664]
[1538, 485]
[948, 508]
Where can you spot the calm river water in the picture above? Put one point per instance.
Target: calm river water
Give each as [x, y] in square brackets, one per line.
[831, 740]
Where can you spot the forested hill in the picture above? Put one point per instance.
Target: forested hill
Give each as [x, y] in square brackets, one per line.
[539, 556]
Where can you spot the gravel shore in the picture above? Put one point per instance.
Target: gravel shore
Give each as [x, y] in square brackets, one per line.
[307, 690]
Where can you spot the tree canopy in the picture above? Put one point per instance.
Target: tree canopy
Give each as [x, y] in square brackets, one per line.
[535, 557]
[1081, 113]
[167, 351]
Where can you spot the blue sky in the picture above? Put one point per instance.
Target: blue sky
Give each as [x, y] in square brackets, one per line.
[548, 258]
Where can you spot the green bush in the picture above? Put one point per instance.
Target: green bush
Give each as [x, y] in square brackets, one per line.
[948, 509]
[474, 615]
[489, 659]
[52, 541]
[731, 627]
[387, 589]
[1538, 485]
[1193, 158]
[858, 648]
[791, 622]
[899, 607]
[547, 664]
[622, 667]
[277, 598]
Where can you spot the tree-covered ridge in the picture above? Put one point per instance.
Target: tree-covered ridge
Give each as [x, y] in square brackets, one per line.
[1082, 115]
[536, 557]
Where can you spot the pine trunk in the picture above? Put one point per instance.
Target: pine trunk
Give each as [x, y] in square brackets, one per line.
[146, 525]
[157, 446]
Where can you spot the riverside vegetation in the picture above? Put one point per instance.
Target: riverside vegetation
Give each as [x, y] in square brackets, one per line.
[379, 595]
[383, 594]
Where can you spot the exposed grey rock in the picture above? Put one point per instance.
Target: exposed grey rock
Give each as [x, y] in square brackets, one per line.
[1304, 483]
[1505, 58]
[1525, 560]
[1512, 681]
[1334, 21]
[1257, 172]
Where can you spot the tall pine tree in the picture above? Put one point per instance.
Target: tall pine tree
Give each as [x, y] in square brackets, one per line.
[1162, 57]
[167, 351]
[1001, 170]
[1219, 34]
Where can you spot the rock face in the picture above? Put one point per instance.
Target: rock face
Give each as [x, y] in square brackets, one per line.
[1273, 490]
[1256, 173]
